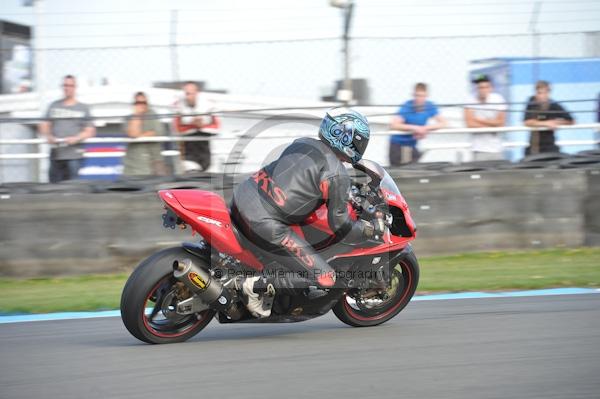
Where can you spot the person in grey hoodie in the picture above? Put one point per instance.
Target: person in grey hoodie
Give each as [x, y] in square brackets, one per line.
[67, 123]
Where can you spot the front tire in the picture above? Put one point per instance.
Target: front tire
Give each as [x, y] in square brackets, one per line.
[404, 278]
[147, 302]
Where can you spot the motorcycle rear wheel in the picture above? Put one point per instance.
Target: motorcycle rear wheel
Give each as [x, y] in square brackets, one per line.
[404, 278]
[148, 299]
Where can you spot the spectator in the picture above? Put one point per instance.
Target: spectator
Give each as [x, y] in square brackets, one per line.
[68, 123]
[544, 112]
[143, 158]
[190, 123]
[488, 109]
[413, 116]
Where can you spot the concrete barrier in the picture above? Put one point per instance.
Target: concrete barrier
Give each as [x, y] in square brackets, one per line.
[591, 209]
[47, 232]
[517, 209]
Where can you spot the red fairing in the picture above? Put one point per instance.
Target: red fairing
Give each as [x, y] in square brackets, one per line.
[399, 202]
[318, 219]
[207, 214]
[390, 242]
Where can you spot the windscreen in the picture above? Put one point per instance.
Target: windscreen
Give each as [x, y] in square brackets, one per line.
[388, 184]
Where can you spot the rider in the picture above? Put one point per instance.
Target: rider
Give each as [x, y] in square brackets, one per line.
[308, 174]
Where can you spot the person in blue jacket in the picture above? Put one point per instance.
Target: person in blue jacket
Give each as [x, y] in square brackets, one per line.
[413, 117]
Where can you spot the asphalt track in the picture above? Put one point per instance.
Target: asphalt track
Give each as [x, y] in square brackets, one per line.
[524, 347]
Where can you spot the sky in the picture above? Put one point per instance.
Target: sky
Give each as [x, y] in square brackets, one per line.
[71, 23]
[304, 69]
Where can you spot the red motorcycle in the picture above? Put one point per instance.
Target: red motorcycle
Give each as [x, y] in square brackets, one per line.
[176, 292]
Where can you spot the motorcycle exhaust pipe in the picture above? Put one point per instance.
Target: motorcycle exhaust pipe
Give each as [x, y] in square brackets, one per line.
[202, 284]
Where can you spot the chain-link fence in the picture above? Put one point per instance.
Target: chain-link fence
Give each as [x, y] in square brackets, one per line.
[307, 69]
[304, 71]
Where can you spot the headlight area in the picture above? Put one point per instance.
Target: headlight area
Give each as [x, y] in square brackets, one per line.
[399, 226]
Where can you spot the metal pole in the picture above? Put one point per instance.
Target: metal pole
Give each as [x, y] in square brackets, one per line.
[535, 40]
[40, 82]
[345, 94]
[173, 47]
[37, 44]
[346, 38]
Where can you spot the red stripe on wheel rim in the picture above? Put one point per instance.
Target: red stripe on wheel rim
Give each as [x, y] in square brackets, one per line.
[161, 334]
[357, 316]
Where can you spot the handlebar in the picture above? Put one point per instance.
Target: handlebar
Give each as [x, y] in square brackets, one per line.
[370, 204]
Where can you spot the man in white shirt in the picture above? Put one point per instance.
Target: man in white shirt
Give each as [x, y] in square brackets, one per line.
[488, 109]
[188, 122]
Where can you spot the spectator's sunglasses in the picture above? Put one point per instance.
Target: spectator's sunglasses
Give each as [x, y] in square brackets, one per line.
[141, 103]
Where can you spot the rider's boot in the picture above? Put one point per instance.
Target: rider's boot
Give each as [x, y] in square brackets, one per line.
[258, 303]
[259, 291]
[315, 292]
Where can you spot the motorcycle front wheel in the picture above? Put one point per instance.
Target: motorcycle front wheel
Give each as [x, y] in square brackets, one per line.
[357, 310]
[149, 298]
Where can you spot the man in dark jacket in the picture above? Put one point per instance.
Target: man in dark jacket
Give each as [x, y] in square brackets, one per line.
[308, 174]
[544, 112]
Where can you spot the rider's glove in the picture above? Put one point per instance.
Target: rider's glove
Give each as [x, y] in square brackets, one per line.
[379, 228]
[374, 229]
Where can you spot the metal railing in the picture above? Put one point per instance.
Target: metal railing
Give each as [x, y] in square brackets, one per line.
[465, 145]
[233, 136]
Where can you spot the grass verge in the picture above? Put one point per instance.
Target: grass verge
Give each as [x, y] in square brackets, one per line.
[490, 271]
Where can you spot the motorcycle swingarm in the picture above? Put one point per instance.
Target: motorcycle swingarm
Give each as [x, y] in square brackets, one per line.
[191, 305]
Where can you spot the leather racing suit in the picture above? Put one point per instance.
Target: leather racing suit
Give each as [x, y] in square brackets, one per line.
[285, 192]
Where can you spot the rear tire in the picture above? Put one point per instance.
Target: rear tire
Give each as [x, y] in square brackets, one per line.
[149, 286]
[405, 276]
